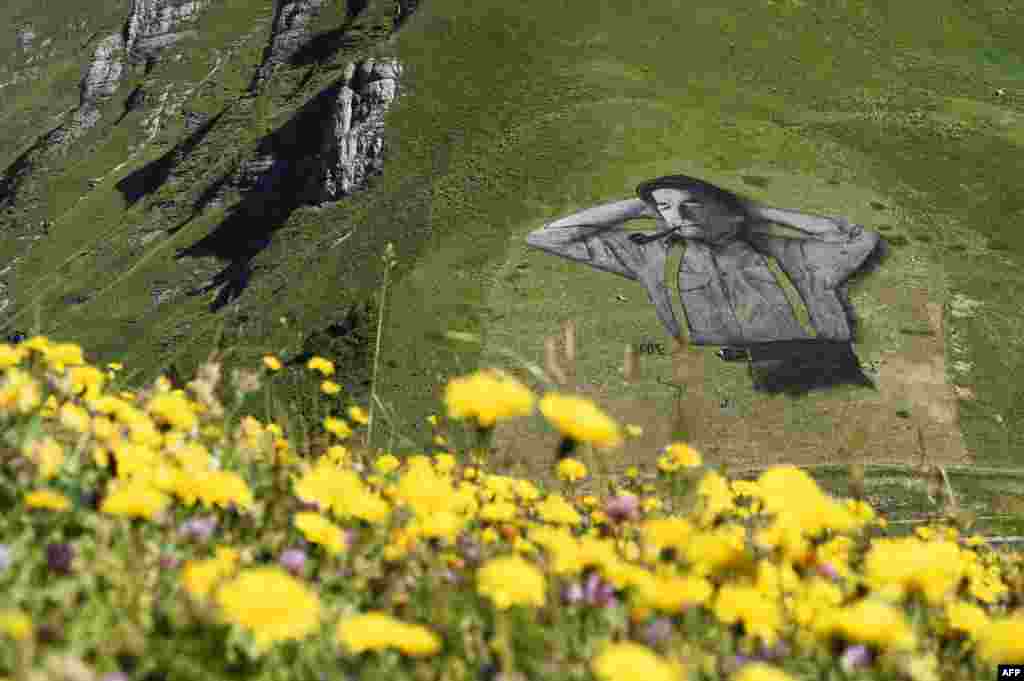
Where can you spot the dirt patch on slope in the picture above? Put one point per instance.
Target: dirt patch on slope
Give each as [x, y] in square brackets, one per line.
[912, 391]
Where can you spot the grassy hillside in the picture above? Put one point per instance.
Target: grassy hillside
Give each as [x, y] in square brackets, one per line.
[515, 114]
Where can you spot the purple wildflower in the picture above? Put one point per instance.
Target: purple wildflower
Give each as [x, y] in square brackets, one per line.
[855, 657]
[199, 529]
[622, 508]
[828, 571]
[598, 592]
[59, 557]
[293, 560]
[572, 594]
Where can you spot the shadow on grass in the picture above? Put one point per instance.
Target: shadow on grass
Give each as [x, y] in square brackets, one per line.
[268, 198]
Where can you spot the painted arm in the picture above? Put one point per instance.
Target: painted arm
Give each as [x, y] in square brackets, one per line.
[606, 215]
[818, 225]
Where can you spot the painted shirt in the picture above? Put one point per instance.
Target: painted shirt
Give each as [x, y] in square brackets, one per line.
[729, 292]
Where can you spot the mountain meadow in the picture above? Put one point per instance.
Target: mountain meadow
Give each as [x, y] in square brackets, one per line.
[257, 258]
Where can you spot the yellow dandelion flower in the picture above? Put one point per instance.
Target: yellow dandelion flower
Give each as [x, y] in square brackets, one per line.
[15, 624]
[135, 500]
[556, 510]
[358, 415]
[873, 622]
[11, 355]
[760, 614]
[271, 604]
[199, 577]
[629, 661]
[965, 617]
[47, 454]
[487, 396]
[511, 580]
[324, 366]
[1002, 640]
[320, 530]
[330, 388]
[378, 631]
[387, 464]
[47, 499]
[759, 671]
[173, 410]
[571, 470]
[684, 455]
[272, 363]
[338, 427]
[580, 419]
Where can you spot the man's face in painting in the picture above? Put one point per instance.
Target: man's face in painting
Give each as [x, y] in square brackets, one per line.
[695, 218]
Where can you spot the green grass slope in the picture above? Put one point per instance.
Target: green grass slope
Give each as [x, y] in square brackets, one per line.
[514, 114]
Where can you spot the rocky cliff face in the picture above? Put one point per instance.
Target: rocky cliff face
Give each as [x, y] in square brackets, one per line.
[252, 155]
[290, 29]
[354, 135]
[154, 24]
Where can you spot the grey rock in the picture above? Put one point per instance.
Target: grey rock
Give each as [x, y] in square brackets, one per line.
[26, 36]
[354, 140]
[291, 21]
[103, 75]
[152, 25]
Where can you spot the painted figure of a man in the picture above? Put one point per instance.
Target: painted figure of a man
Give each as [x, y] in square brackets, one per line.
[729, 294]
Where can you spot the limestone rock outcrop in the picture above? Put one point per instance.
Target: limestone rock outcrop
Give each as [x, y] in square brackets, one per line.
[289, 31]
[354, 137]
[154, 24]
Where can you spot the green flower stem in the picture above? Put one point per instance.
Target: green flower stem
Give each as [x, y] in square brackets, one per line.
[502, 641]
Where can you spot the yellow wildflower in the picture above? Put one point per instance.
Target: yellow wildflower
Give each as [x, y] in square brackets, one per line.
[387, 463]
[897, 565]
[571, 470]
[201, 576]
[555, 509]
[629, 661]
[965, 617]
[74, 417]
[874, 622]
[1002, 640]
[47, 499]
[378, 630]
[15, 624]
[324, 366]
[759, 613]
[320, 530]
[330, 388]
[487, 396]
[337, 426]
[47, 454]
[673, 593]
[135, 500]
[511, 580]
[580, 419]
[358, 415]
[273, 605]
[272, 363]
[759, 671]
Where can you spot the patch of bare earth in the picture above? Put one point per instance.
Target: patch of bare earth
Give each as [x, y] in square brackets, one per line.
[912, 391]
